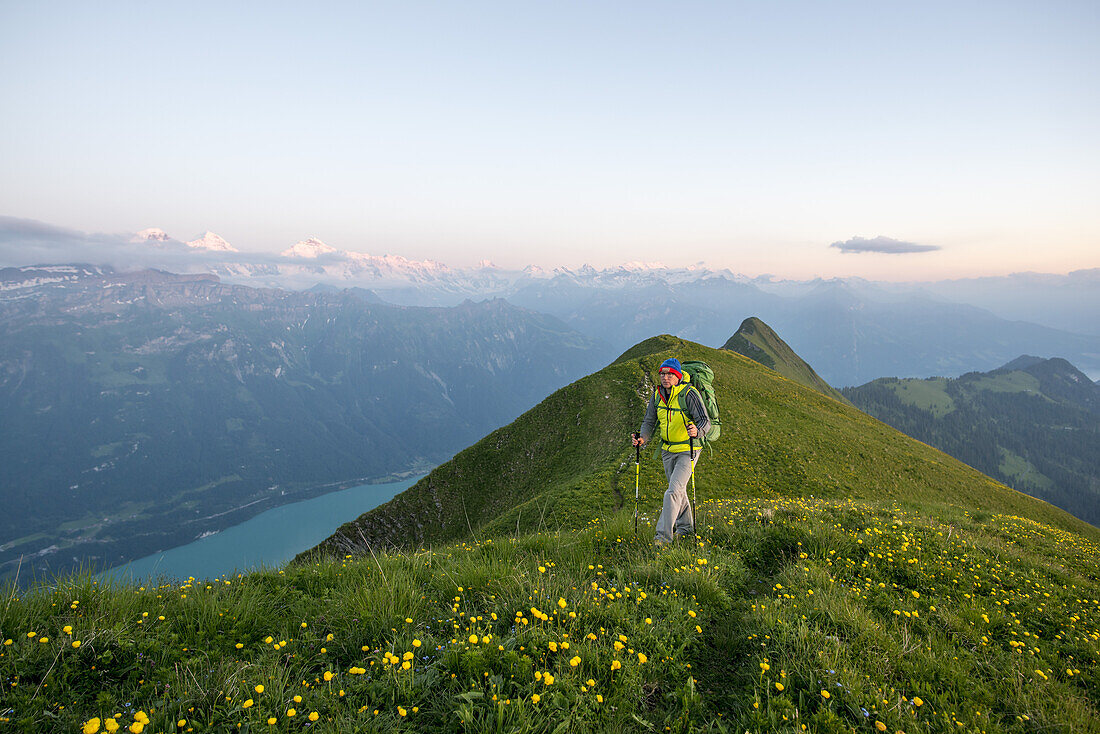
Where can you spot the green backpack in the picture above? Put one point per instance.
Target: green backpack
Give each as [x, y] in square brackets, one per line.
[702, 377]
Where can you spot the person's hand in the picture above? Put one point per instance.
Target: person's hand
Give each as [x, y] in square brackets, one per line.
[636, 440]
[693, 431]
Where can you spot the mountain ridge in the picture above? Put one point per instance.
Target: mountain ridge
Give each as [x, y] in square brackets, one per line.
[564, 461]
[758, 341]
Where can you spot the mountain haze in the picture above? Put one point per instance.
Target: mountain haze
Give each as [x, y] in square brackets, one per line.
[850, 332]
[850, 329]
[141, 410]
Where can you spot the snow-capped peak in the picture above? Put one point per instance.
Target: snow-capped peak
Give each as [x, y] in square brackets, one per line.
[152, 234]
[211, 241]
[310, 248]
[638, 265]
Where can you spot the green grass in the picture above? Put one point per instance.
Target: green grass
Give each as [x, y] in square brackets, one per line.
[86, 522]
[22, 540]
[568, 460]
[1008, 382]
[924, 621]
[927, 395]
[1021, 469]
[848, 579]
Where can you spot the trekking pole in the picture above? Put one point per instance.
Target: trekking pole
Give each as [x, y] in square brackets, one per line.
[637, 473]
[694, 499]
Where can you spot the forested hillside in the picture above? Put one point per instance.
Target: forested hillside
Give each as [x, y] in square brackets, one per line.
[1034, 424]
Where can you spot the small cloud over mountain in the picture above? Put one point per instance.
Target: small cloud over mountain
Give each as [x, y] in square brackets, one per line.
[887, 245]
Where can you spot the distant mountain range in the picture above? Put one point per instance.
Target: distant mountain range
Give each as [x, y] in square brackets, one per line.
[143, 409]
[851, 330]
[1034, 424]
[851, 333]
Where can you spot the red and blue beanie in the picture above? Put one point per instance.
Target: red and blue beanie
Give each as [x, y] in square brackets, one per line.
[672, 366]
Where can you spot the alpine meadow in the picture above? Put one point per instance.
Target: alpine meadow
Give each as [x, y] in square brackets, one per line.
[844, 578]
[549, 368]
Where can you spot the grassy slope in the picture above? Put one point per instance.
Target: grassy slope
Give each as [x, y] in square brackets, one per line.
[568, 460]
[792, 615]
[908, 593]
[759, 342]
[928, 394]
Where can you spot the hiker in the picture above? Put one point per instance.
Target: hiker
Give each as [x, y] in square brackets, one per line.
[677, 413]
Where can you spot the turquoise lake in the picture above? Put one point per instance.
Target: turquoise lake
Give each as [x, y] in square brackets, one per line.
[269, 539]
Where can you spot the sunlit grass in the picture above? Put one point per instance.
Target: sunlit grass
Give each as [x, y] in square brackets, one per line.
[790, 613]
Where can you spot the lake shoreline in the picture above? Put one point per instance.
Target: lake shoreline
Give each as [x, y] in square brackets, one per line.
[99, 555]
[267, 538]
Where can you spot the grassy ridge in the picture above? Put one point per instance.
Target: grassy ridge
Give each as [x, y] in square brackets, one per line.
[568, 460]
[827, 615]
[759, 342]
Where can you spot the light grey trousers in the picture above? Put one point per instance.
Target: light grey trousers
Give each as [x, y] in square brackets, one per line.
[676, 518]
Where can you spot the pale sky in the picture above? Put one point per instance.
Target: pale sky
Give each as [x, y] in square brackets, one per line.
[746, 135]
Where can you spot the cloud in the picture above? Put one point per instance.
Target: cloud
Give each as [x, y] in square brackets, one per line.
[882, 244]
[30, 242]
